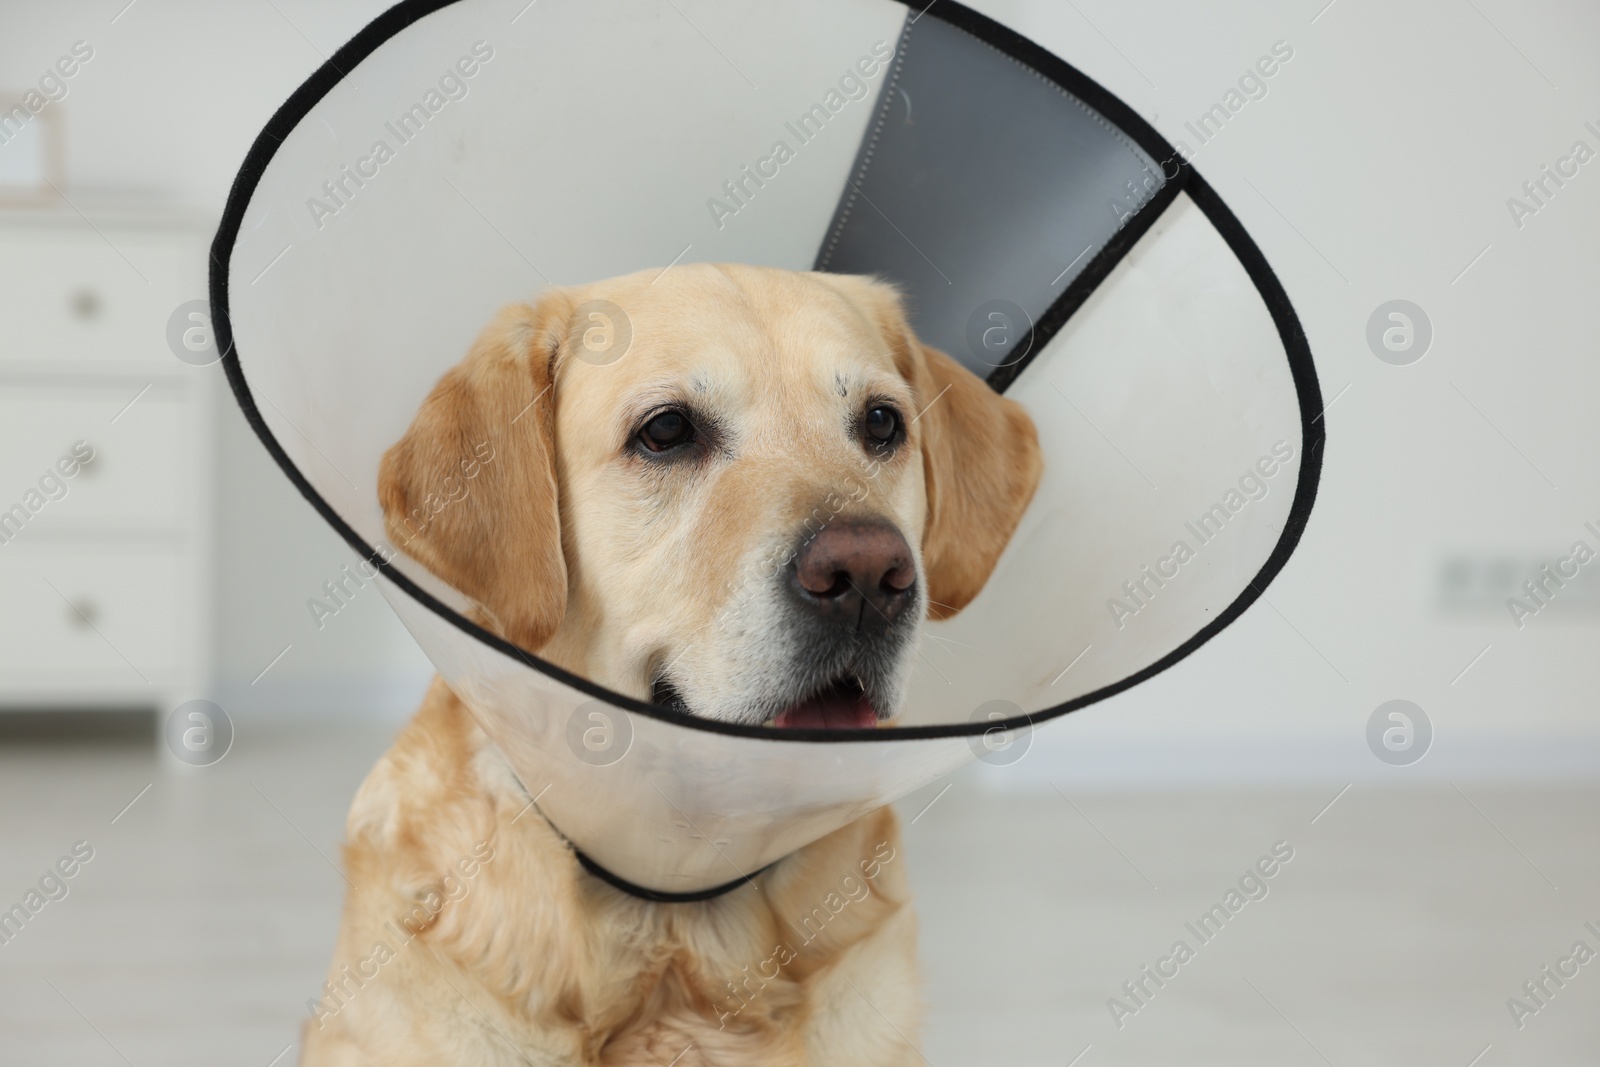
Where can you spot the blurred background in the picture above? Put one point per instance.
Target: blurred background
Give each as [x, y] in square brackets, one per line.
[1404, 153]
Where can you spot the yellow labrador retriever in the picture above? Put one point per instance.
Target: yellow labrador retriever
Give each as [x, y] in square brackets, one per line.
[619, 528]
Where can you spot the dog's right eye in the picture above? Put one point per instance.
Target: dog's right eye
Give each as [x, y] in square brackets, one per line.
[666, 430]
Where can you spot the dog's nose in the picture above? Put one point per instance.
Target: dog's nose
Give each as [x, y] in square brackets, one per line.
[858, 574]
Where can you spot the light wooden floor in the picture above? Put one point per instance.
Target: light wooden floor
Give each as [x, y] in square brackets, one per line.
[1394, 936]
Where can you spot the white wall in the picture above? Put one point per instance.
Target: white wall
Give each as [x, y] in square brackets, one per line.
[166, 109]
[176, 90]
[1378, 166]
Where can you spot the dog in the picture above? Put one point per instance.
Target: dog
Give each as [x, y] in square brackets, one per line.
[630, 494]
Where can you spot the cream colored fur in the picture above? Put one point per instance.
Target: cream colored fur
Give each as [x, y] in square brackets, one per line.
[471, 935]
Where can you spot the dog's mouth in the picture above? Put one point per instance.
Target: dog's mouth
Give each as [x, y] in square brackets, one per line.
[841, 704]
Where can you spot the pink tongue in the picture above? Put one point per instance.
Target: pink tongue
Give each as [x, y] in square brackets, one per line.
[831, 711]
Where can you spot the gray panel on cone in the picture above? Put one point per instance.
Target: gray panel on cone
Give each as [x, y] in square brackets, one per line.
[981, 185]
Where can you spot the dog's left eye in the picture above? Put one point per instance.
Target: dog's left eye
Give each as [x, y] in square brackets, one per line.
[667, 430]
[882, 424]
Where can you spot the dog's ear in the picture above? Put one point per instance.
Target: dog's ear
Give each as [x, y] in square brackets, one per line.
[980, 455]
[470, 490]
[981, 462]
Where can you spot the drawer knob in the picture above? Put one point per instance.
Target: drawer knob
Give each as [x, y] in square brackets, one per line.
[83, 614]
[86, 304]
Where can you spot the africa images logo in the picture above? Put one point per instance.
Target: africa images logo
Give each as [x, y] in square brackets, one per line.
[340, 190]
[1140, 590]
[1253, 885]
[852, 85]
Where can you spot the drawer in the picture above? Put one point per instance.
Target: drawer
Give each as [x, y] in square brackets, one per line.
[143, 462]
[80, 621]
[72, 299]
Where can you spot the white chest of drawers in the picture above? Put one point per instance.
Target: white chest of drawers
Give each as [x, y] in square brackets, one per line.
[104, 573]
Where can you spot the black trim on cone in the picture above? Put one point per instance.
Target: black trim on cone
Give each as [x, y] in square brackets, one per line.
[656, 895]
[1099, 267]
[1298, 352]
